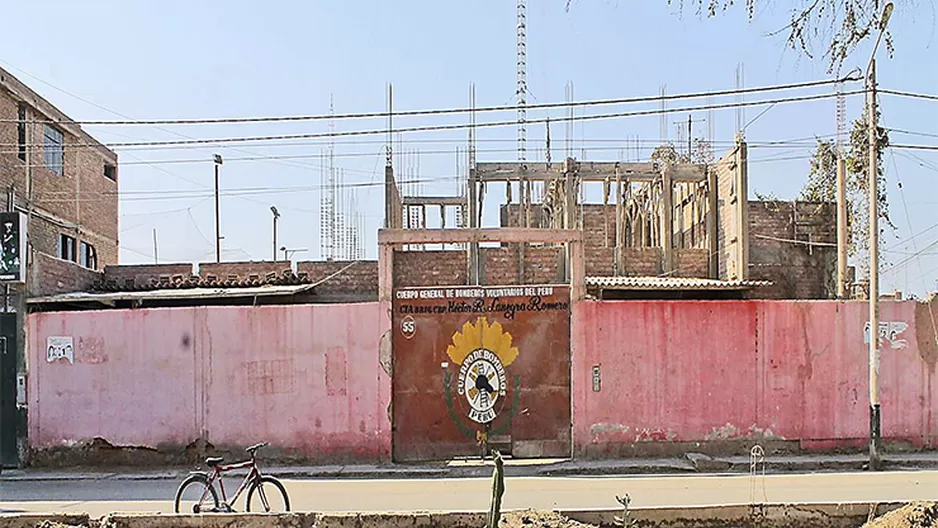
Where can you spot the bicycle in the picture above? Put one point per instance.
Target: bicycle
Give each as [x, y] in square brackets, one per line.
[254, 483]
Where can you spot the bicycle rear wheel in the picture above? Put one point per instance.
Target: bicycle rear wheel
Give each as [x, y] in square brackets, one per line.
[196, 494]
[267, 494]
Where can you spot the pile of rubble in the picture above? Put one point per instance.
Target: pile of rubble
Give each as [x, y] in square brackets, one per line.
[914, 515]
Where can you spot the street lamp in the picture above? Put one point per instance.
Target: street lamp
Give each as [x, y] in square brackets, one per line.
[873, 183]
[218, 163]
[288, 253]
[273, 209]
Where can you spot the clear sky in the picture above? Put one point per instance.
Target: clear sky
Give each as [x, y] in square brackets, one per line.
[101, 59]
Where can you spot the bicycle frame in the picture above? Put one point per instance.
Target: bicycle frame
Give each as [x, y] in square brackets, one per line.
[253, 475]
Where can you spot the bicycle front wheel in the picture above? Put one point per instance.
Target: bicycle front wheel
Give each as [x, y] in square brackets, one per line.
[267, 494]
[196, 494]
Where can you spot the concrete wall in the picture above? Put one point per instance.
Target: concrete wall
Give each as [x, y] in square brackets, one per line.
[305, 378]
[49, 275]
[793, 244]
[730, 201]
[790, 374]
[675, 376]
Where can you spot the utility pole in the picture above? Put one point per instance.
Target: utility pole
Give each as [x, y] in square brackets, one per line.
[873, 183]
[218, 163]
[841, 226]
[273, 209]
[690, 134]
[156, 255]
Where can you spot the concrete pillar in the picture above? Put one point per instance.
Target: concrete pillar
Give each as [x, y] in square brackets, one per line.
[713, 243]
[667, 221]
[742, 194]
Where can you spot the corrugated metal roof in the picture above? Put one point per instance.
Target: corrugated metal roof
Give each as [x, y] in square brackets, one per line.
[174, 294]
[670, 283]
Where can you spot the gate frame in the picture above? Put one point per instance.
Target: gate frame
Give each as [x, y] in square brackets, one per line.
[389, 239]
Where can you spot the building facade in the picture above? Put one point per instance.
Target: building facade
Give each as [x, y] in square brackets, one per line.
[60, 176]
[65, 184]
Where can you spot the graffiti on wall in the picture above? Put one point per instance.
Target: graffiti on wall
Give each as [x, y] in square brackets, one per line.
[889, 331]
[58, 348]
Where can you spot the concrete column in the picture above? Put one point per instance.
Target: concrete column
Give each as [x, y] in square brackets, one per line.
[841, 228]
[742, 194]
[713, 243]
[385, 272]
[620, 222]
[667, 221]
[473, 253]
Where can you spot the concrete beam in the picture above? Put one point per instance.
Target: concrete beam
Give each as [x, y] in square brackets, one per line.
[588, 171]
[400, 237]
[434, 200]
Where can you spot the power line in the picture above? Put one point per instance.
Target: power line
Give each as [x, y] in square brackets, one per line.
[911, 133]
[353, 155]
[927, 97]
[913, 256]
[446, 111]
[459, 126]
[915, 147]
[808, 141]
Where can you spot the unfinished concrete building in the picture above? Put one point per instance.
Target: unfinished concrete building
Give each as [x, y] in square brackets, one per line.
[659, 230]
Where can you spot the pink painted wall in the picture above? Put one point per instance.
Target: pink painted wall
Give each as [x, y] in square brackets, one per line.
[700, 371]
[305, 378]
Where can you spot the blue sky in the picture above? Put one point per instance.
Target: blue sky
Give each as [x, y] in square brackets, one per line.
[176, 59]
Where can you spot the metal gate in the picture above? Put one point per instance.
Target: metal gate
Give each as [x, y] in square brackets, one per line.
[8, 412]
[479, 367]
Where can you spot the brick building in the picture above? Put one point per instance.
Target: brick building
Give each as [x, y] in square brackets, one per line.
[65, 184]
[64, 180]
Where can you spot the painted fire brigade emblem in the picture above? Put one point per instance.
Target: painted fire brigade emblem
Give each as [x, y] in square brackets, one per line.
[482, 351]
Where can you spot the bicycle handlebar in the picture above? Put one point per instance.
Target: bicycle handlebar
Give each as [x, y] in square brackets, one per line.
[253, 449]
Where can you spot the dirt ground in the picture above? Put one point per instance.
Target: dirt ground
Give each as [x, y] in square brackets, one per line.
[538, 519]
[914, 515]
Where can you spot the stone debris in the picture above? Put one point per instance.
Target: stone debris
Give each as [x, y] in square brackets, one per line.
[54, 524]
[539, 519]
[913, 515]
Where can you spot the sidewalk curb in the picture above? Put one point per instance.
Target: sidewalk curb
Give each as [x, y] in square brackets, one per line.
[690, 465]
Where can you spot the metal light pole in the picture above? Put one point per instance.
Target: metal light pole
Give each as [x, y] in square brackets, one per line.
[218, 163]
[273, 209]
[288, 253]
[873, 183]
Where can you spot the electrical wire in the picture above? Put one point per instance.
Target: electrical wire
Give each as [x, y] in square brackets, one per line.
[911, 133]
[927, 97]
[915, 147]
[449, 111]
[458, 126]
[353, 155]
[454, 141]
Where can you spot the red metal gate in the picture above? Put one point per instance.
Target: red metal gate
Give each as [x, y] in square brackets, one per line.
[475, 365]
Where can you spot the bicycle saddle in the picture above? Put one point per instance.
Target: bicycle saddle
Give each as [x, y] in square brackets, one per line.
[255, 447]
[213, 461]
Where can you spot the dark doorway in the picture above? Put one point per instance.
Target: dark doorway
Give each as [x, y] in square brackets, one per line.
[8, 414]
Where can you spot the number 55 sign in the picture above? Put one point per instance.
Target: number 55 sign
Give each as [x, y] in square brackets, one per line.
[408, 327]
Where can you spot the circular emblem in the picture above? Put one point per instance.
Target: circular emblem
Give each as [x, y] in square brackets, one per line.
[482, 380]
[408, 327]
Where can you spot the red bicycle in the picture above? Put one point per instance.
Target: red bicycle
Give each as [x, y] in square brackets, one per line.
[264, 488]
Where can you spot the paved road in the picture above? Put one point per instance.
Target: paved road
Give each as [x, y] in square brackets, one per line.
[102, 496]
